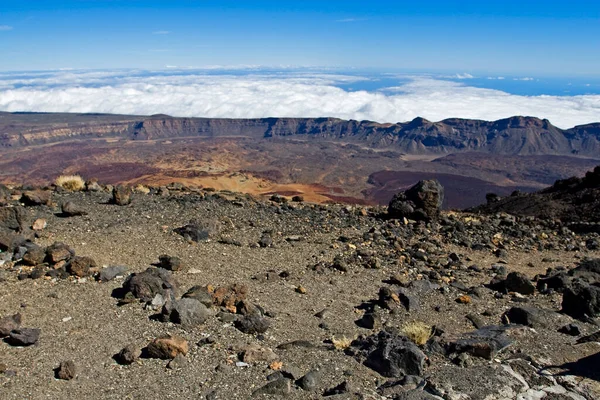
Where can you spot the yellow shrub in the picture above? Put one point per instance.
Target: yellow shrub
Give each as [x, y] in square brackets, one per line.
[342, 343]
[418, 332]
[74, 183]
[142, 189]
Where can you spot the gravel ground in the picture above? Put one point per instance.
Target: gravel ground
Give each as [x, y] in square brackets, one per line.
[81, 321]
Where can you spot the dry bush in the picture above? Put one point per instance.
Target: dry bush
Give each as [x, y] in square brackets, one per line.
[418, 332]
[342, 343]
[74, 183]
[142, 189]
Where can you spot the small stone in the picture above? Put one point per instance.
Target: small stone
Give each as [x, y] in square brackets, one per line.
[176, 363]
[254, 353]
[128, 355]
[200, 293]
[279, 387]
[109, 273]
[170, 263]
[39, 224]
[570, 329]
[70, 209]
[66, 370]
[310, 381]
[167, 347]
[81, 266]
[35, 255]
[9, 323]
[186, 311]
[59, 252]
[301, 289]
[252, 324]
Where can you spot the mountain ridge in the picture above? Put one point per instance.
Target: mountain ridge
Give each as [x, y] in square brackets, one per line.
[516, 135]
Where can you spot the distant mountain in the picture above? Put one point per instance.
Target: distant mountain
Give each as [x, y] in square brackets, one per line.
[511, 136]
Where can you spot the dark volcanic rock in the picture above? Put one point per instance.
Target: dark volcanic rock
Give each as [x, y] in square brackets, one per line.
[423, 201]
[200, 293]
[171, 263]
[35, 255]
[23, 337]
[519, 283]
[145, 285]
[198, 231]
[310, 381]
[278, 387]
[10, 241]
[485, 342]
[390, 354]
[252, 324]
[128, 355]
[581, 300]
[13, 218]
[529, 316]
[36, 197]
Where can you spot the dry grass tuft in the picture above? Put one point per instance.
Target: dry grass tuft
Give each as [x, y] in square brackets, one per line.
[342, 343]
[74, 183]
[418, 332]
[142, 189]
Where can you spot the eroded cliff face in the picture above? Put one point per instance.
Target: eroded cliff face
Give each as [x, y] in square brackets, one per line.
[511, 136]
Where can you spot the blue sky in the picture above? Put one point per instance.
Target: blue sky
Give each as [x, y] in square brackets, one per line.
[541, 38]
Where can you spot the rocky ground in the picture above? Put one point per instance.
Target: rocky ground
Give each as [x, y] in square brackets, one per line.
[184, 293]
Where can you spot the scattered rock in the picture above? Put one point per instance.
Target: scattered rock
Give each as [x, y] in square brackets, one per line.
[81, 266]
[519, 283]
[23, 336]
[423, 201]
[36, 197]
[310, 381]
[39, 224]
[9, 323]
[485, 342]
[253, 353]
[109, 273]
[253, 324]
[390, 354]
[278, 387]
[70, 209]
[198, 231]
[145, 285]
[167, 347]
[128, 354]
[66, 370]
[570, 329]
[581, 300]
[170, 263]
[122, 195]
[529, 316]
[59, 252]
[186, 311]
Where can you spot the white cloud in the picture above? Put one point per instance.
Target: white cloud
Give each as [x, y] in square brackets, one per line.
[161, 32]
[256, 93]
[464, 76]
[5, 28]
[523, 79]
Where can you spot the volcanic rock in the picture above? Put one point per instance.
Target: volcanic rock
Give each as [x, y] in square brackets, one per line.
[198, 231]
[581, 300]
[253, 324]
[423, 201]
[70, 209]
[145, 285]
[9, 323]
[390, 354]
[66, 370]
[23, 336]
[167, 347]
[128, 354]
[122, 195]
[36, 197]
[81, 266]
[186, 311]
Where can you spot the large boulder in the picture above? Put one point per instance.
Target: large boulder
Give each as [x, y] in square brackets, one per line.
[423, 201]
[13, 218]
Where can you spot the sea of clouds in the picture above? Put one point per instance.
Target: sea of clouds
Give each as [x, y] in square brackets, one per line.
[255, 93]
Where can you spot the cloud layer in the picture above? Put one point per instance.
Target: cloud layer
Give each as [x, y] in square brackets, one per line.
[277, 94]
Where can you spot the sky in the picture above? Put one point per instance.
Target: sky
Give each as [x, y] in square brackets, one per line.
[531, 37]
[387, 61]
